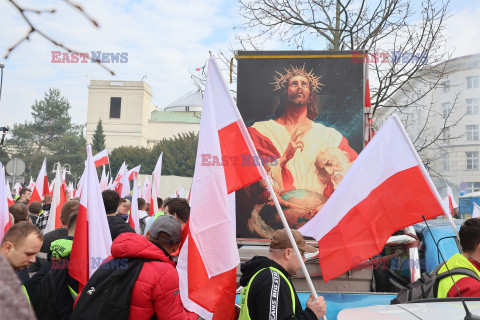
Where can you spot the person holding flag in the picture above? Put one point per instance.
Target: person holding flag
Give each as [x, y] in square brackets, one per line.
[267, 285]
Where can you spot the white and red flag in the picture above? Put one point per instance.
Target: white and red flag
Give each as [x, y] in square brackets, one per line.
[31, 185]
[209, 256]
[101, 158]
[78, 191]
[121, 178]
[5, 222]
[58, 200]
[92, 234]
[133, 173]
[40, 190]
[9, 195]
[144, 190]
[452, 204]
[386, 189]
[103, 180]
[476, 211]
[17, 188]
[155, 186]
[134, 217]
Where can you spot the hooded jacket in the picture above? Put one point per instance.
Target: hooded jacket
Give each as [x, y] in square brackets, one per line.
[156, 290]
[264, 301]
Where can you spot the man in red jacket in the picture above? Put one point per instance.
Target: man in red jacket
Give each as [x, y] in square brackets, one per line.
[156, 290]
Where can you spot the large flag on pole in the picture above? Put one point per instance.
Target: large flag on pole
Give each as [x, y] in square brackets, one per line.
[5, 222]
[386, 189]
[133, 217]
[92, 234]
[103, 180]
[101, 158]
[452, 204]
[209, 256]
[58, 200]
[476, 211]
[40, 190]
[155, 186]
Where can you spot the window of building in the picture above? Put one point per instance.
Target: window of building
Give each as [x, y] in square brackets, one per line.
[472, 132]
[446, 86]
[446, 134]
[472, 106]
[115, 107]
[446, 162]
[446, 109]
[472, 160]
[472, 82]
[472, 186]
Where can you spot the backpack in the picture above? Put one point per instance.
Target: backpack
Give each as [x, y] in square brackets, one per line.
[427, 286]
[107, 294]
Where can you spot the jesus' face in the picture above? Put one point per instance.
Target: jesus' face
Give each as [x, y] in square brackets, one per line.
[298, 91]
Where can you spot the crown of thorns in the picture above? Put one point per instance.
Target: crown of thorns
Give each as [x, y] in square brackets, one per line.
[281, 80]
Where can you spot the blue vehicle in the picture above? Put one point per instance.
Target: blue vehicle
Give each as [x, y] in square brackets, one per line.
[377, 281]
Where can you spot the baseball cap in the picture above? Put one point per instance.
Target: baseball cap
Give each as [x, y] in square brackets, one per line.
[168, 224]
[280, 241]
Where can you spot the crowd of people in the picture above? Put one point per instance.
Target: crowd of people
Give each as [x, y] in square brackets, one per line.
[41, 260]
[146, 264]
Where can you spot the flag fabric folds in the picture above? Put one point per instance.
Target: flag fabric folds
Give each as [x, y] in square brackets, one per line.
[58, 200]
[92, 234]
[133, 217]
[476, 211]
[40, 190]
[101, 158]
[209, 256]
[386, 189]
[5, 222]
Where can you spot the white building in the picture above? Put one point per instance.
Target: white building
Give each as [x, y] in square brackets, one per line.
[130, 119]
[444, 123]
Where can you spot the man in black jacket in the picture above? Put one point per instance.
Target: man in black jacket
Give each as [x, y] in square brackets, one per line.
[268, 292]
[117, 225]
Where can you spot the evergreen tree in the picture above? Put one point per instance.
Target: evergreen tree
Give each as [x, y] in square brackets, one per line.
[51, 134]
[98, 138]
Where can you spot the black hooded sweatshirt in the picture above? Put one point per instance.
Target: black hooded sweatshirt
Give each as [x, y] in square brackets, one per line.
[265, 301]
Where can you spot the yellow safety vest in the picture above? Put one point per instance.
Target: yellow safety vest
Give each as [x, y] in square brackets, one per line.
[244, 313]
[456, 261]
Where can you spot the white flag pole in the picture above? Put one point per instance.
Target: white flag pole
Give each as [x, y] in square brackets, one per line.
[263, 173]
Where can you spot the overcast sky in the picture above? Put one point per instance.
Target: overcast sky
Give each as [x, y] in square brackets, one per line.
[164, 41]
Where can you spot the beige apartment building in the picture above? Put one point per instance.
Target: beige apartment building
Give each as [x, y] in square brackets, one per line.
[129, 117]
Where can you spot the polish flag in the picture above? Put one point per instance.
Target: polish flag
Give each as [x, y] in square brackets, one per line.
[155, 186]
[101, 158]
[476, 211]
[5, 222]
[70, 190]
[452, 204]
[119, 180]
[209, 256]
[386, 189]
[50, 188]
[134, 216]
[78, 191]
[144, 189]
[31, 185]
[123, 186]
[41, 185]
[58, 200]
[92, 234]
[103, 180]
[133, 174]
[9, 195]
